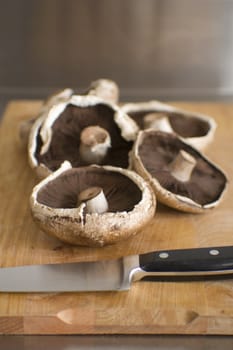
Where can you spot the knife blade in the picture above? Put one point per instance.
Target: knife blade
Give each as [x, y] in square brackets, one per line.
[110, 275]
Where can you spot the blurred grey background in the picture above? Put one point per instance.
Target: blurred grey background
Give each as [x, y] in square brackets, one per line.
[161, 49]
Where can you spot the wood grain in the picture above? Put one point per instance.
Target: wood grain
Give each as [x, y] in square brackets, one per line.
[149, 307]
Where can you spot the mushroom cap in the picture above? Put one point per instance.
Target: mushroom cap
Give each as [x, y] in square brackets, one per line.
[131, 203]
[56, 97]
[55, 137]
[152, 155]
[196, 129]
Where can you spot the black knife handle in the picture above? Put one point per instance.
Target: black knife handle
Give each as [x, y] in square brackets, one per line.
[188, 260]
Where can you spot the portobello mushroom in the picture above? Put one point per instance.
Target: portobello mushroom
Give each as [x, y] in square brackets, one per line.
[196, 129]
[63, 135]
[93, 205]
[180, 175]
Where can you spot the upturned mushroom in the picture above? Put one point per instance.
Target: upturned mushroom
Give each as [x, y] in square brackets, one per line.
[106, 89]
[196, 129]
[180, 175]
[83, 130]
[93, 205]
[25, 126]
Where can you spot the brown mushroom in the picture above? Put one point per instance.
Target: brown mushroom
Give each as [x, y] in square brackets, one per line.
[56, 97]
[106, 89]
[26, 125]
[92, 205]
[180, 175]
[65, 134]
[196, 129]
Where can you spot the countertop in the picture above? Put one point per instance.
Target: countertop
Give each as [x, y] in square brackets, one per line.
[115, 341]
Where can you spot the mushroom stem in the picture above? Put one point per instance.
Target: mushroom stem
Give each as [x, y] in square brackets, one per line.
[106, 89]
[94, 199]
[157, 121]
[182, 166]
[94, 144]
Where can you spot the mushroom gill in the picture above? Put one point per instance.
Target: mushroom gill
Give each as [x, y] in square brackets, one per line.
[184, 126]
[121, 193]
[92, 206]
[196, 129]
[67, 131]
[180, 175]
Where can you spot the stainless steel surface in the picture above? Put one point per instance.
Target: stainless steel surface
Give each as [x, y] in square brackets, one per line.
[179, 49]
[138, 274]
[114, 342]
[89, 276]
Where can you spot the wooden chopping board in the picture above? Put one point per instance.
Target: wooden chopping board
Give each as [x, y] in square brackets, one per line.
[204, 307]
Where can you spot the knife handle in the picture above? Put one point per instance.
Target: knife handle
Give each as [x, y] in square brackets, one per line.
[196, 261]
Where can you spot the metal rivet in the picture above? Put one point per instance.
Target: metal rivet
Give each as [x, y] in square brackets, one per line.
[214, 252]
[164, 255]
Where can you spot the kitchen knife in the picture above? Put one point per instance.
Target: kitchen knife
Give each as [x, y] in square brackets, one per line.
[109, 275]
